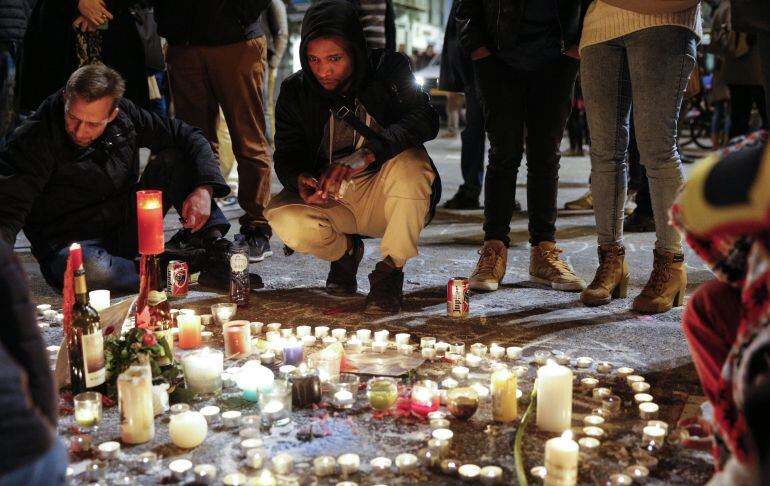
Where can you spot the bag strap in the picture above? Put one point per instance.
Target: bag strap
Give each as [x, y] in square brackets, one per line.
[342, 112]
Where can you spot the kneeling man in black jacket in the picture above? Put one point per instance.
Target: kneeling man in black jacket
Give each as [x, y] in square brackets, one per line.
[71, 172]
[349, 133]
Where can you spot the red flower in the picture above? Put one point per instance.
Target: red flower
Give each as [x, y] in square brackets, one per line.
[108, 330]
[149, 339]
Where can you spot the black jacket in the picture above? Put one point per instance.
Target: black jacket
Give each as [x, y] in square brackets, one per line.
[494, 23]
[28, 400]
[14, 16]
[59, 193]
[382, 82]
[456, 67]
[209, 22]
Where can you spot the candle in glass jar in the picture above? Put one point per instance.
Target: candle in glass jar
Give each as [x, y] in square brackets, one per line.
[305, 387]
[321, 332]
[403, 338]
[99, 299]
[303, 331]
[427, 342]
[283, 463]
[425, 397]
[472, 360]
[88, 408]
[382, 393]
[189, 331]
[187, 429]
[237, 336]
[589, 445]
[149, 216]
[381, 335]
[554, 398]
[561, 460]
[137, 418]
[339, 334]
[504, 402]
[349, 463]
[324, 466]
[293, 352]
[203, 370]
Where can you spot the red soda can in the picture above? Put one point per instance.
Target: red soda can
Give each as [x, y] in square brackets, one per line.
[176, 279]
[457, 303]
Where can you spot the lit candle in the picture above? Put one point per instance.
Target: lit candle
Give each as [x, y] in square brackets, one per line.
[642, 397]
[449, 467]
[561, 460]
[648, 410]
[210, 413]
[593, 431]
[81, 443]
[382, 392]
[425, 397]
[272, 336]
[206, 321]
[303, 331]
[305, 387]
[612, 404]
[469, 472]
[109, 450]
[584, 362]
[286, 333]
[339, 334]
[405, 349]
[187, 429]
[88, 408]
[428, 353]
[496, 352]
[443, 434]
[504, 403]
[441, 347]
[349, 464]
[381, 335]
[276, 403]
[189, 331]
[601, 392]
[179, 408]
[283, 463]
[293, 352]
[137, 418]
[234, 479]
[324, 466]
[406, 463]
[255, 456]
[321, 332]
[329, 340]
[439, 423]
[180, 468]
[640, 387]
[364, 335]
[658, 423]
[237, 336]
[379, 346]
[513, 352]
[403, 338]
[604, 367]
[593, 420]
[427, 342]
[268, 357]
[481, 390]
[589, 383]
[541, 357]
[205, 473]
[491, 475]
[41, 308]
[479, 349]
[453, 358]
[620, 480]
[589, 445]
[380, 465]
[99, 299]
[520, 370]
[231, 418]
[256, 327]
[203, 370]
[561, 357]
[457, 347]
[149, 216]
[624, 371]
[438, 447]
[472, 360]
[554, 398]
[631, 379]
[354, 345]
[638, 473]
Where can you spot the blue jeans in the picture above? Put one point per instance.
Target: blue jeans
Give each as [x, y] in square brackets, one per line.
[648, 69]
[48, 470]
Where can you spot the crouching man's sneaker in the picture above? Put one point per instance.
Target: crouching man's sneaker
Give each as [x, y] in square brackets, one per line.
[386, 289]
[259, 246]
[342, 274]
[490, 269]
[547, 267]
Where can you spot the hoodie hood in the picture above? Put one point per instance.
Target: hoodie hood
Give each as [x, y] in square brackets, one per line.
[336, 18]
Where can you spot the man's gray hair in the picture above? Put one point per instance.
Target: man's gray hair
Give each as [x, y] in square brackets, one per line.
[94, 82]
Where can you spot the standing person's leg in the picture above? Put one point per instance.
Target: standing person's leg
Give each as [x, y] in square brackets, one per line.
[657, 101]
[237, 74]
[502, 94]
[758, 96]
[740, 109]
[607, 92]
[474, 139]
[763, 44]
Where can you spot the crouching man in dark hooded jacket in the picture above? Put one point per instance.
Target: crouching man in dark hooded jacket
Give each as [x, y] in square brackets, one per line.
[349, 133]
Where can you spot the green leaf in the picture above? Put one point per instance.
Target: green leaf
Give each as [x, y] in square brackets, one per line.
[181, 395]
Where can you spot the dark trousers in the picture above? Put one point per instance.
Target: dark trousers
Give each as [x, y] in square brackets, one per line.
[473, 142]
[537, 102]
[741, 99]
[8, 99]
[110, 261]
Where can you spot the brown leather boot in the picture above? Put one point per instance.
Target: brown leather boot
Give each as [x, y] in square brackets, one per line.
[611, 279]
[665, 288]
[490, 269]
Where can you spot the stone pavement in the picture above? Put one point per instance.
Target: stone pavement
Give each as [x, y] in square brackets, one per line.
[520, 313]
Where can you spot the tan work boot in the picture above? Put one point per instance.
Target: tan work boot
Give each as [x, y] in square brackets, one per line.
[665, 288]
[490, 269]
[546, 267]
[611, 279]
[586, 201]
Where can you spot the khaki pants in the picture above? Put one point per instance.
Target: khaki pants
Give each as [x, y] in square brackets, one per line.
[391, 204]
[203, 78]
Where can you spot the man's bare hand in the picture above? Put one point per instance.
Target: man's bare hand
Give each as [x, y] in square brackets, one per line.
[480, 53]
[344, 169]
[309, 190]
[81, 23]
[701, 434]
[95, 11]
[197, 208]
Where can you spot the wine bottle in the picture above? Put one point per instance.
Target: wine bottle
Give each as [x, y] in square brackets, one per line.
[85, 341]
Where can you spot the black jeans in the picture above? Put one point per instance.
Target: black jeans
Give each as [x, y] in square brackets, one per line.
[537, 102]
[741, 98]
[473, 142]
[109, 261]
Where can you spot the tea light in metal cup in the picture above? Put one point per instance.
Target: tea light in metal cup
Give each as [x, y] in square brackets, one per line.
[450, 467]
[381, 335]
[469, 472]
[365, 335]
[593, 420]
[658, 423]
[491, 475]
[437, 414]
[520, 370]
[321, 332]
[250, 421]
[589, 383]
[649, 411]
[460, 372]
[640, 387]
[441, 347]
[638, 473]
[561, 357]
[231, 418]
[654, 436]
[620, 479]
[109, 450]
[472, 360]
[349, 464]
[146, 461]
[457, 347]
[339, 334]
[439, 424]
[604, 367]
[88, 409]
[443, 434]
[631, 379]
[210, 412]
[380, 465]
[642, 397]
[541, 357]
[428, 353]
[250, 433]
[180, 468]
[179, 408]
[479, 349]
[601, 392]
[513, 352]
[624, 371]
[438, 447]
[256, 327]
[255, 457]
[379, 346]
[283, 463]
[589, 445]
[427, 342]
[205, 473]
[405, 349]
[612, 404]
[268, 357]
[206, 319]
[593, 431]
[403, 338]
[324, 466]
[584, 362]
[308, 341]
[235, 479]
[406, 463]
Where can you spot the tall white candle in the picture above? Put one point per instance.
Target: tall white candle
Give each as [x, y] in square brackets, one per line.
[99, 299]
[554, 398]
[561, 460]
[137, 420]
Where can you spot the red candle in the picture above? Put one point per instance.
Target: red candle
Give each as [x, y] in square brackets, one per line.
[149, 215]
[237, 338]
[76, 256]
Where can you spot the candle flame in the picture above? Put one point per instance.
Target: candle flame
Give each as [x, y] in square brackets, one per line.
[567, 435]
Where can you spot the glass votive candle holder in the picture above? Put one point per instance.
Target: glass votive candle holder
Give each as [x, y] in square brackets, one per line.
[438, 447]
[327, 363]
[381, 335]
[648, 410]
[380, 465]
[275, 403]
[612, 404]
[321, 332]
[584, 362]
[427, 342]
[463, 402]
[343, 390]
[496, 352]
[237, 336]
[340, 334]
[425, 398]
[88, 409]
[250, 421]
[251, 443]
[286, 333]
[379, 346]
[642, 397]
[589, 445]
[223, 312]
[403, 338]
[324, 466]
[472, 360]
[479, 349]
[428, 353]
[203, 370]
[405, 349]
[640, 387]
[604, 367]
[541, 356]
[593, 431]
[406, 463]
[382, 392]
[589, 383]
[349, 464]
[513, 352]
[81, 442]
[364, 335]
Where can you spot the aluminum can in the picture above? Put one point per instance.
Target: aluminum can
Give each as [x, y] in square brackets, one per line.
[177, 279]
[457, 303]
